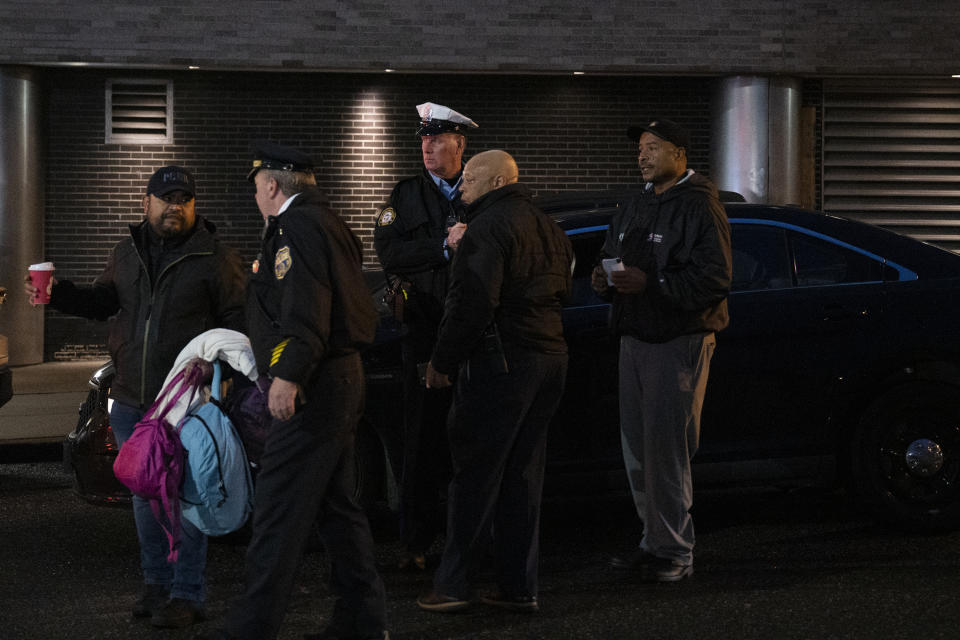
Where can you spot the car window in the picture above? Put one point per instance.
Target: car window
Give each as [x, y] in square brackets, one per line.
[819, 262]
[773, 257]
[760, 258]
[586, 249]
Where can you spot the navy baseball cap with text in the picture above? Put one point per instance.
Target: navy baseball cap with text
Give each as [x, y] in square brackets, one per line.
[169, 179]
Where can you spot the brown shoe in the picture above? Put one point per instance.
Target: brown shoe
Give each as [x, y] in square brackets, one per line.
[438, 602]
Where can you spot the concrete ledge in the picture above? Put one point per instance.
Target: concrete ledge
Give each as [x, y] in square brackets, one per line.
[54, 377]
[45, 401]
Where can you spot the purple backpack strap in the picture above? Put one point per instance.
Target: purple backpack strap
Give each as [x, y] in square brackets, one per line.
[189, 383]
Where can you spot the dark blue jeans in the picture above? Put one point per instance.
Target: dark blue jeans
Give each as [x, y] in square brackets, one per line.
[185, 577]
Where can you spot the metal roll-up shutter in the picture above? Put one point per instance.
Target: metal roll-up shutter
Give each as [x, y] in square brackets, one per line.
[891, 155]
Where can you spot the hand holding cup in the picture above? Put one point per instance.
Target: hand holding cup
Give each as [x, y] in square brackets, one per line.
[39, 283]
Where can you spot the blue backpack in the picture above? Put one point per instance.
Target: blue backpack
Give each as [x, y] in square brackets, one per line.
[217, 494]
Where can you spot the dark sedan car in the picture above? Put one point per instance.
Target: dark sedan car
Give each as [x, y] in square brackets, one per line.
[841, 364]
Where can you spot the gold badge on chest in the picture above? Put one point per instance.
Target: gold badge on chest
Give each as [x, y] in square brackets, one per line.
[282, 263]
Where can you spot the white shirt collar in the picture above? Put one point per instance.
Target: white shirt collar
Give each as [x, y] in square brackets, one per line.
[286, 204]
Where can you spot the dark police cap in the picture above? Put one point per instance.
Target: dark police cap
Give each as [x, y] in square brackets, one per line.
[169, 179]
[278, 157]
[665, 130]
[436, 119]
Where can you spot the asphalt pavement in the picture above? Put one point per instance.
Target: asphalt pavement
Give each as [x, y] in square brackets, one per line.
[770, 564]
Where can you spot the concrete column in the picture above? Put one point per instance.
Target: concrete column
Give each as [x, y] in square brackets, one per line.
[756, 138]
[21, 208]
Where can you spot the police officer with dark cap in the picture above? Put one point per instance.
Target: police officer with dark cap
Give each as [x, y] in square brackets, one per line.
[309, 314]
[415, 237]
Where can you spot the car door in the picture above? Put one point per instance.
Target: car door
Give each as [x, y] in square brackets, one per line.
[585, 432]
[804, 309]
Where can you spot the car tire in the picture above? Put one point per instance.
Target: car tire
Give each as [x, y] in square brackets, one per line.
[906, 456]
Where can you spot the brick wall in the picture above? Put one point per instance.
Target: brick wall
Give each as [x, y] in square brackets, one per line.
[565, 132]
[809, 37]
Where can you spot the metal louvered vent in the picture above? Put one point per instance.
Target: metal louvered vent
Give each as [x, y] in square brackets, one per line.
[139, 111]
[891, 155]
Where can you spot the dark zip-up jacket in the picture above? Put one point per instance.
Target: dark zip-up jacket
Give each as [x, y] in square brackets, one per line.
[408, 238]
[513, 267]
[681, 239]
[198, 286]
[308, 299]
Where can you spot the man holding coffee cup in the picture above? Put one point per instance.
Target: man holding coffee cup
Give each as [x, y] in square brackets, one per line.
[168, 281]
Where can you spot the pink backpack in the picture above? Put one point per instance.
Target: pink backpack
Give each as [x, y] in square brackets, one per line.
[150, 462]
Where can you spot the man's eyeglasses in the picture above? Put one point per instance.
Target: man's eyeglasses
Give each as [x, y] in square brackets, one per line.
[176, 198]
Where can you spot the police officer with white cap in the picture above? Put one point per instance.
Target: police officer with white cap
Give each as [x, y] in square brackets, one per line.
[415, 237]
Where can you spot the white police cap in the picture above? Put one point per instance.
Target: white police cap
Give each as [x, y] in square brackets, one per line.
[436, 119]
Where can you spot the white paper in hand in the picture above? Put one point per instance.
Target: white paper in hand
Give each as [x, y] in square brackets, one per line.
[610, 265]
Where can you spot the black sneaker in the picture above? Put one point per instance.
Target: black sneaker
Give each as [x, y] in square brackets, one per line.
[152, 599]
[178, 613]
[638, 560]
[520, 604]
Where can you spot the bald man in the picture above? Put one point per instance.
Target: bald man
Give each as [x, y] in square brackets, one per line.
[502, 332]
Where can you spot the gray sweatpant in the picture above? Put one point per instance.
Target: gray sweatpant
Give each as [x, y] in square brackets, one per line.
[661, 398]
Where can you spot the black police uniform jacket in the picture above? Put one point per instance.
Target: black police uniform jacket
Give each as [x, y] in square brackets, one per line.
[198, 285]
[408, 239]
[308, 299]
[513, 266]
[681, 239]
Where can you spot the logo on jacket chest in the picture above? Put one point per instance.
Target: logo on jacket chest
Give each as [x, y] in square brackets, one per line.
[282, 263]
[656, 238]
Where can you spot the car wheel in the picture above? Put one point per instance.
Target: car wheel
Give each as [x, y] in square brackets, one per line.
[906, 456]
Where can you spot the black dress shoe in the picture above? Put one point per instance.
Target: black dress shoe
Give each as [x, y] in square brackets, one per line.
[638, 560]
[520, 604]
[666, 570]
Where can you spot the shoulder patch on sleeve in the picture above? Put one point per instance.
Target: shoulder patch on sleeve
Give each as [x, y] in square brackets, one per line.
[386, 217]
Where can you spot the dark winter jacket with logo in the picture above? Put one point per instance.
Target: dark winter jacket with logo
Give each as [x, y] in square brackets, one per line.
[681, 239]
[408, 238]
[197, 285]
[308, 299]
